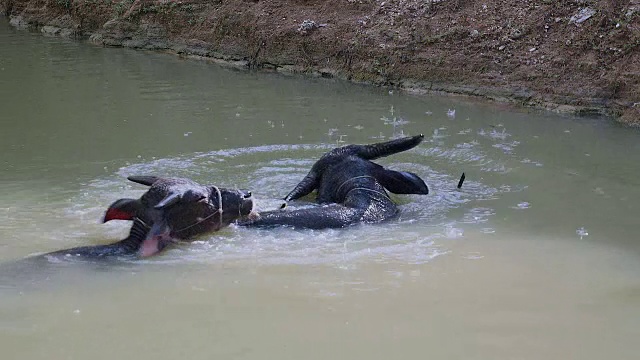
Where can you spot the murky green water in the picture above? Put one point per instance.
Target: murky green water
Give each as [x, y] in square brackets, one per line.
[537, 257]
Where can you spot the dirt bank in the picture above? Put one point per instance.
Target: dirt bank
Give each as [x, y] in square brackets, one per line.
[578, 56]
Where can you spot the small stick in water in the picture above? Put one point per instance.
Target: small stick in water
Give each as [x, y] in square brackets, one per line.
[461, 181]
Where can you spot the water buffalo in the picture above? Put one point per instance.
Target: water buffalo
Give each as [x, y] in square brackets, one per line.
[350, 187]
[173, 209]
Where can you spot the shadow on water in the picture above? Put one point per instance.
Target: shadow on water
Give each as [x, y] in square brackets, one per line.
[47, 273]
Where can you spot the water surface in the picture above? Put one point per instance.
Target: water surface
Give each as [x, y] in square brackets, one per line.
[535, 257]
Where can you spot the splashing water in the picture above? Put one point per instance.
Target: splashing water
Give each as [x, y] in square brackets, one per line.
[582, 232]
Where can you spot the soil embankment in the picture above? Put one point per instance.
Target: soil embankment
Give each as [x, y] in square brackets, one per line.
[578, 56]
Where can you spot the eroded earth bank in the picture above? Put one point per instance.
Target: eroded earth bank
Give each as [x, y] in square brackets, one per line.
[568, 56]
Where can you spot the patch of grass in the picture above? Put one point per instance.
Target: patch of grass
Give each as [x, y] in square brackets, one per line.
[64, 3]
[630, 46]
[437, 61]
[119, 8]
[169, 7]
[430, 40]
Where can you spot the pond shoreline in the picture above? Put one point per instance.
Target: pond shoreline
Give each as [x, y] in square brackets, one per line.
[458, 48]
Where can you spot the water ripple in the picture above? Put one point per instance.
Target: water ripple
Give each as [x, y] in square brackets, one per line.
[270, 171]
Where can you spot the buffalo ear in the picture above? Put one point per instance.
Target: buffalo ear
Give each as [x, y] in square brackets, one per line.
[169, 200]
[144, 180]
[123, 209]
[401, 182]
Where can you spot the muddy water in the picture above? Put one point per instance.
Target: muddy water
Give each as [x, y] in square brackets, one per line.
[535, 257]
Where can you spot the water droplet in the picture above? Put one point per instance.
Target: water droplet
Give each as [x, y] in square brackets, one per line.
[522, 205]
[582, 232]
[453, 233]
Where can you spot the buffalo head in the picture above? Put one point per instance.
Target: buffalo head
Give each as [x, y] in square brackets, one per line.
[175, 209]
